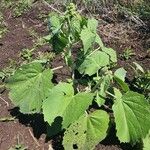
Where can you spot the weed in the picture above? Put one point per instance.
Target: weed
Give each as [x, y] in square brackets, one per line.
[22, 6]
[27, 54]
[3, 28]
[46, 57]
[141, 79]
[38, 41]
[18, 146]
[127, 54]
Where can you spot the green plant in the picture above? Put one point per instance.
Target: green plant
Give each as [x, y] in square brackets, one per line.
[38, 41]
[18, 146]
[6, 3]
[69, 108]
[127, 54]
[21, 6]
[8, 71]
[141, 79]
[3, 28]
[46, 57]
[27, 54]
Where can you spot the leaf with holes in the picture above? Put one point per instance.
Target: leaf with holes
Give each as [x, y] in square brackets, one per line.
[29, 86]
[132, 113]
[87, 131]
[62, 102]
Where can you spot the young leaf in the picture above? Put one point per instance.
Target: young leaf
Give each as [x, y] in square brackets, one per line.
[121, 73]
[75, 25]
[54, 22]
[131, 112]
[138, 67]
[122, 84]
[62, 102]
[111, 53]
[93, 63]
[92, 25]
[99, 41]
[59, 42]
[87, 131]
[29, 86]
[88, 38]
[101, 94]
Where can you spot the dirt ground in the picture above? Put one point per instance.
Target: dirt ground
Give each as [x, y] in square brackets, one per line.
[31, 130]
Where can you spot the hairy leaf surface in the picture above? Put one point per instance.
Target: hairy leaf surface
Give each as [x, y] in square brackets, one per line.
[29, 86]
[93, 63]
[62, 102]
[132, 115]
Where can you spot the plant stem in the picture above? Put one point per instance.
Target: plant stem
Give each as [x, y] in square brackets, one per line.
[96, 86]
[93, 51]
[111, 94]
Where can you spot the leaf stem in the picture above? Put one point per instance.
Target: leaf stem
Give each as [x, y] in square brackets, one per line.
[94, 51]
[111, 94]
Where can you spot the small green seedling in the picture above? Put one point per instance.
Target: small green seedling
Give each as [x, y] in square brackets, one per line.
[27, 54]
[141, 79]
[21, 6]
[18, 146]
[127, 54]
[3, 28]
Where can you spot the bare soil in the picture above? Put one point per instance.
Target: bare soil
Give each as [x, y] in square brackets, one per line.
[31, 130]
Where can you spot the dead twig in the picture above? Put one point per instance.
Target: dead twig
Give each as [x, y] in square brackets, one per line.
[4, 101]
[50, 6]
[34, 138]
[5, 119]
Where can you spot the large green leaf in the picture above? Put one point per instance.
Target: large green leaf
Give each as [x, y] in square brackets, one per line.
[62, 102]
[93, 63]
[132, 116]
[29, 86]
[87, 131]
